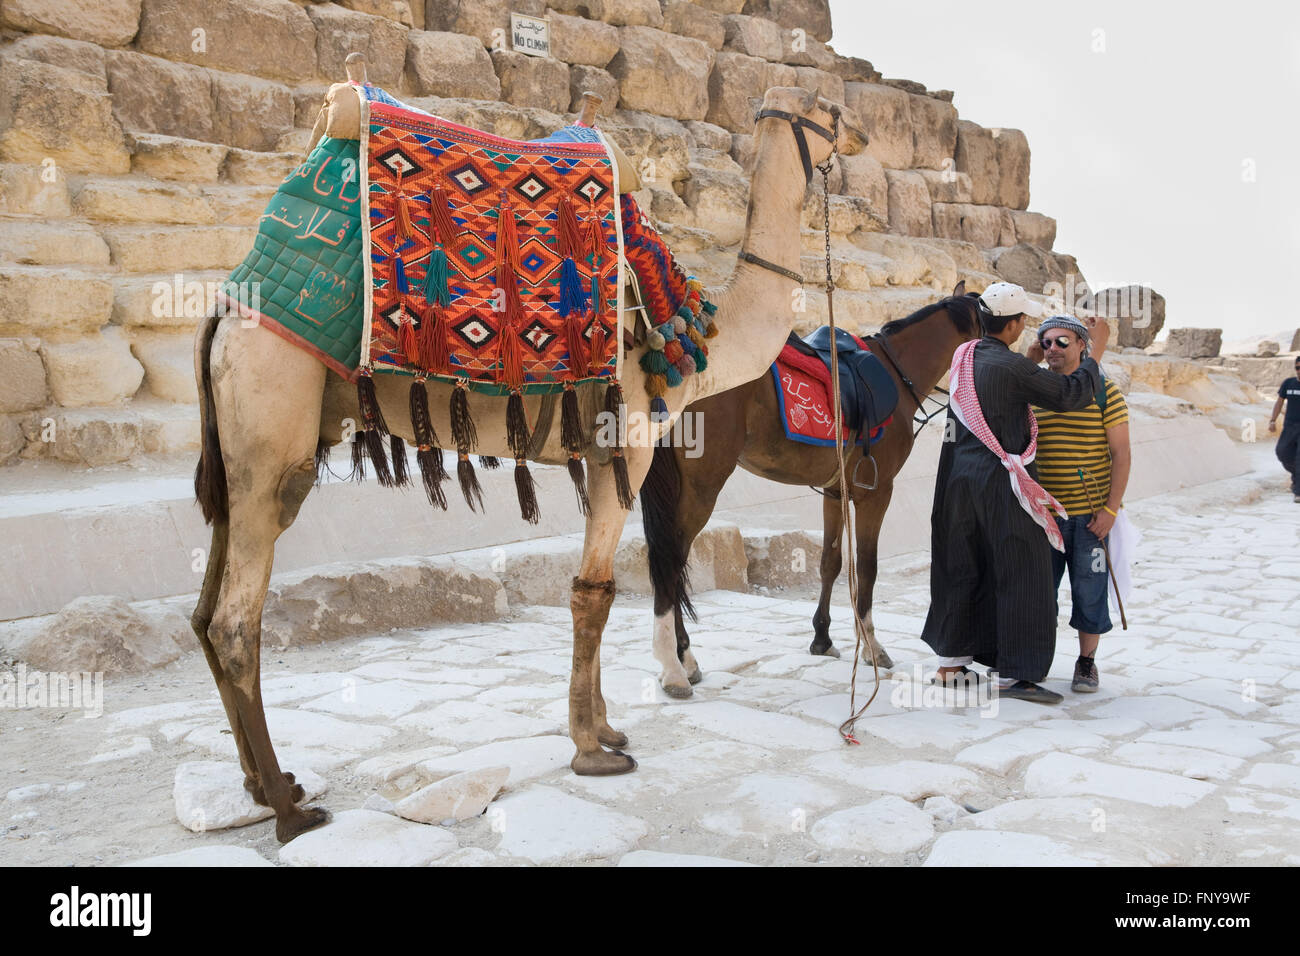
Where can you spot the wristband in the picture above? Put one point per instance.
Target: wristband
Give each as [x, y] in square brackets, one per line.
[1113, 514]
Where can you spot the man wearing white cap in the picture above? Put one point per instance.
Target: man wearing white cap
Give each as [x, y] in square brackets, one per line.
[992, 525]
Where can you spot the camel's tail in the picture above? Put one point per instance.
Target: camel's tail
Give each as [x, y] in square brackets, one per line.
[210, 475]
[660, 494]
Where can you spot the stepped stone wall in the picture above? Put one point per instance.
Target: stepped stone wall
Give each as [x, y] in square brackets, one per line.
[141, 139]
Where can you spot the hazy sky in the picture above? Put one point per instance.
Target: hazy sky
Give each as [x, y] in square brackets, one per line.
[1147, 123]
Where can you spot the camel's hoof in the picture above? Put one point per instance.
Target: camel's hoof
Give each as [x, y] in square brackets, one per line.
[296, 792]
[611, 737]
[602, 763]
[695, 676]
[829, 650]
[677, 691]
[298, 822]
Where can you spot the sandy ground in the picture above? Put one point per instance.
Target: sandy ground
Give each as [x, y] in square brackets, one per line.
[1189, 754]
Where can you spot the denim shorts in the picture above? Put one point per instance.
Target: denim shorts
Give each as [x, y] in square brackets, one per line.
[1089, 578]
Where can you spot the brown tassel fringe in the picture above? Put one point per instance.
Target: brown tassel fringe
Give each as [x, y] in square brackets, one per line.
[622, 484]
[571, 433]
[511, 369]
[469, 486]
[578, 475]
[322, 459]
[576, 344]
[432, 475]
[432, 340]
[568, 231]
[358, 472]
[371, 415]
[526, 488]
[463, 432]
[378, 457]
[373, 434]
[397, 448]
[428, 455]
[489, 462]
[517, 425]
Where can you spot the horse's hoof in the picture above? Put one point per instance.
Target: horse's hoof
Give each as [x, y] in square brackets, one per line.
[611, 737]
[695, 676]
[297, 822]
[602, 763]
[678, 691]
[883, 660]
[829, 650]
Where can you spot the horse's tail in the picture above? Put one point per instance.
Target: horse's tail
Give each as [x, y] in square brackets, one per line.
[210, 475]
[660, 495]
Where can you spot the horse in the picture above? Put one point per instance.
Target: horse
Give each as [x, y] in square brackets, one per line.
[744, 427]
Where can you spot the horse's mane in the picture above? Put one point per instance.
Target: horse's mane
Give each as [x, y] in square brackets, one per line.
[961, 309]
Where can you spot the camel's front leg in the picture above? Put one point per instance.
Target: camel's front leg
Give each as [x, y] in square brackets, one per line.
[590, 601]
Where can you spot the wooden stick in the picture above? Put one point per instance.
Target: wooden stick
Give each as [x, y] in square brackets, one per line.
[590, 104]
[355, 65]
[1106, 550]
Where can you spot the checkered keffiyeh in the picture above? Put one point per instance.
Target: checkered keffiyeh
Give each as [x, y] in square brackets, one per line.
[965, 405]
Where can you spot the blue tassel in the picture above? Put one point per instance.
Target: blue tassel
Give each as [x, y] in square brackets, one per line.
[436, 291]
[673, 377]
[708, 306]
[658, 406]
[572, 296]
[666, 330]
[399, 276]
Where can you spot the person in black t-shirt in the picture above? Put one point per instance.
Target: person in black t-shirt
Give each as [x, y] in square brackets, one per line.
[1288, 443]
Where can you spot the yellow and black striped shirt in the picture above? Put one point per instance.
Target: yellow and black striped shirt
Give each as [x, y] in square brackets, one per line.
[1068, 441]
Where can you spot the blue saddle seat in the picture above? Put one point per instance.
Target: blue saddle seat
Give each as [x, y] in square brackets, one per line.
[868, 393]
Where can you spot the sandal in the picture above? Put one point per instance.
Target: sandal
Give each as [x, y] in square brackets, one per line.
[965, 677]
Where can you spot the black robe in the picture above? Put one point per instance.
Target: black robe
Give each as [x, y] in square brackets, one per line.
[991, 593]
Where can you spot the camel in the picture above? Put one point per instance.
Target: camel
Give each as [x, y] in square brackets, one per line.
[744, 426]
[265, 405]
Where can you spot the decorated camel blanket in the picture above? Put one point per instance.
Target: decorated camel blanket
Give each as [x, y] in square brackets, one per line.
[441, 251]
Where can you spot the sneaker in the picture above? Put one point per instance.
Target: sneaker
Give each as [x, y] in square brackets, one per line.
[1297, 499]
[1085, 676]
[1028, 690]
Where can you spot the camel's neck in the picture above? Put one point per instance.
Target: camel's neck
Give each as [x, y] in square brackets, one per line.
[925, 351]
[756, 309]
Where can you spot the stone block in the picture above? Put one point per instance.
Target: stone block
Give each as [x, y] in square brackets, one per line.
[12, 439]
[449, 64]
[76, 55]
[980, 225]
[168, 361]
[693, 20]
[173, 157]
[708, 136]
[1034, 228]
[886, 115]
[947, 185]
[250, 113]
[593, 79]
[22, 377]
[51, 244]
[102, 22]
[719, 200]
[399, 11]
[813, 17]
[1013, 168]
[273, 38]
[340, 31]
[1139, 310]
[124, 200]
[51, 115]
[541, 82]
[934, 132]
[722, 6]
[145, 248]
[168, 301]
[82, 304]
[152, 95]
[753, 36]
[909, 203]
[34, 190]
[481, 18]
[579, 41]
[862, 175]
[97, 370]
[630, 13]
[824, 84]
[251, 168]
[1194, 343]
[976, 154]
[104, 633]
[662, 73]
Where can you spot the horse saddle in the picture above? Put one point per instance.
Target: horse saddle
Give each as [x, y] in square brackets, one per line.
[868, 393]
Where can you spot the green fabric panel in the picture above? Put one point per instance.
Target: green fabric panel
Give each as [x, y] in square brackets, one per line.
[304, 273]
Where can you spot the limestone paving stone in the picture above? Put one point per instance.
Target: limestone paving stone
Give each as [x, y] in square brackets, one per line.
[210, 795]
[654, 858]
[887, 825]
[1193, 762]
[368, 838]
[1061, 774]
[206, 856]
[768, 805]
[461, 796]
[909, 779]
[527, 758]
[546, 825]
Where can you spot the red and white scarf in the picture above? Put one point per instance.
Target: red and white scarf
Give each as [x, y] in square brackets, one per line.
[965, 405]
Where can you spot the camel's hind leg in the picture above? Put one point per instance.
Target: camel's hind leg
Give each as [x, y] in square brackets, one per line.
[267, 398]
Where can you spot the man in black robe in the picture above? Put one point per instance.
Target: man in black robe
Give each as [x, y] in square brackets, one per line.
[991, 594]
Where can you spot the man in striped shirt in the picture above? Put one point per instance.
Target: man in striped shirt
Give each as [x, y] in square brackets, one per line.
[1094, 441]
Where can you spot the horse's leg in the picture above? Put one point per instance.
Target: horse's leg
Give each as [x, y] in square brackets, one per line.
[868, 515]
[590, 601]
[267, 403]
[832, 558]
[684, 652]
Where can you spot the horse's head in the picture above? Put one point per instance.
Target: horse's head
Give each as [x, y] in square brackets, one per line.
[964, 309]
[815, 122]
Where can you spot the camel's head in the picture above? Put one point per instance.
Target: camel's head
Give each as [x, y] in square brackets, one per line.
[813, 120]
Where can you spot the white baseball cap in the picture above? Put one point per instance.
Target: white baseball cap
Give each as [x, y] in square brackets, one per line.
[1007, 298]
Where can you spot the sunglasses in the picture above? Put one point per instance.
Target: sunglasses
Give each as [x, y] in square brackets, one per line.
[1061, 342]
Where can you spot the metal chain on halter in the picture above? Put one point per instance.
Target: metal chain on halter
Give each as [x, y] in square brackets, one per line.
[859, 627]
